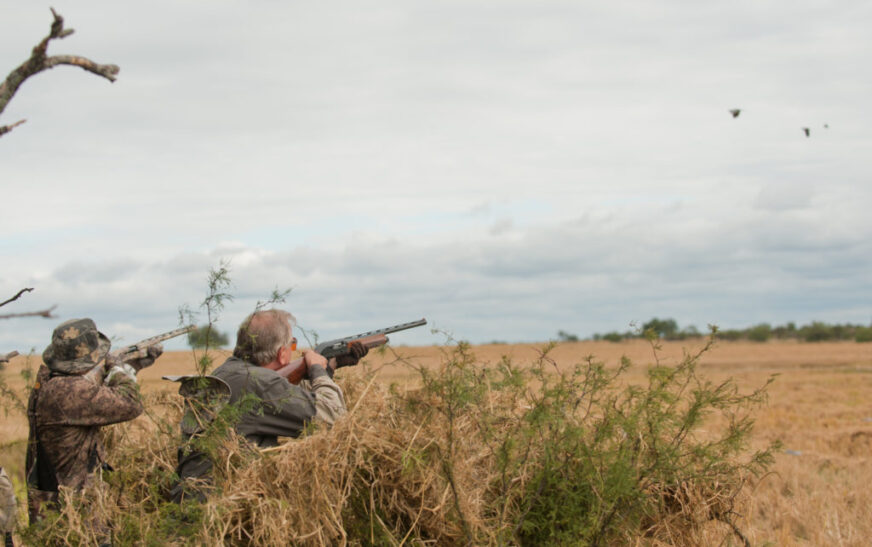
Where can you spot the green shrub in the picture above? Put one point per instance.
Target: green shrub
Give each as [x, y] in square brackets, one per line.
[816, 332]
[689, 332]
[863, 334]
[760, 333]
[564, 336]
[730, 334]
[613, 336]
[591, 462]
[663, 328]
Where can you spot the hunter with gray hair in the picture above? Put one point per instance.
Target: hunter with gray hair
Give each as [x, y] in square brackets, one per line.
[265, 340]
[265, 344]
[262, 334]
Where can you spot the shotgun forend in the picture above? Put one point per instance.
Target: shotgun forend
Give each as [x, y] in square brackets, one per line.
[334, 348]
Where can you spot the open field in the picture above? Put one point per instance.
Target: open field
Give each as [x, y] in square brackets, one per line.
[819, 407]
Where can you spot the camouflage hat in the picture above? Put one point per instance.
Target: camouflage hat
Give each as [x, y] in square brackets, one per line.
[76, 347]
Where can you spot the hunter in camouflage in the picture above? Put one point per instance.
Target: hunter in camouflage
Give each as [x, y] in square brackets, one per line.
[77, 391]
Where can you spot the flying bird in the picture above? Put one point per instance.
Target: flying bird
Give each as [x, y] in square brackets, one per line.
[735, 112]
[826, 126]
[807, 131]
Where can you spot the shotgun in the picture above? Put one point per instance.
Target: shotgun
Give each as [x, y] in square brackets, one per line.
[140, 349]
[296, 370]
[131, 353]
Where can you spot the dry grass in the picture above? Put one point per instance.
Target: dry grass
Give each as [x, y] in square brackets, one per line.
[819, 407]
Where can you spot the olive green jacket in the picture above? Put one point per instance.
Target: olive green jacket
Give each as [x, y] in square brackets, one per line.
[283, 408]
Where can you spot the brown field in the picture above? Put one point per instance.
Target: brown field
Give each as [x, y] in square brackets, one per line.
[819, 407]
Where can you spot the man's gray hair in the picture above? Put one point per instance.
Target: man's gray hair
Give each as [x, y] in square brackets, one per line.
[262, 334]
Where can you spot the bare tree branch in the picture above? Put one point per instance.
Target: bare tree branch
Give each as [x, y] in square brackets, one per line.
[41, 313]
[7, 128]
[39, 61]
[17, 296]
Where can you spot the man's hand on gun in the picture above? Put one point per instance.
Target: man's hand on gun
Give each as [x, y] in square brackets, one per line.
[117, 367]
[318, 361]
[357, 351]
[151, 353]
[121, 372]
[316, 364]
[137, 363]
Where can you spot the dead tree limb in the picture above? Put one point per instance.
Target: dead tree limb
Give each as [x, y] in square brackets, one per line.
[41, 313]
[17, 296]
[7, 128]
[39, 61]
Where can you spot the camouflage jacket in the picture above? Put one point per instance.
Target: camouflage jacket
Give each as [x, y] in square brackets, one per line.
[284, 408]
[65, 414]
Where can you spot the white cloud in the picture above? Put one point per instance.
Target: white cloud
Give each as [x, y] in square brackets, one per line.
[507, 169]
[578, 276]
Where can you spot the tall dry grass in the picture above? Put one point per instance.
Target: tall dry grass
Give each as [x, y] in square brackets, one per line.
[815, 494]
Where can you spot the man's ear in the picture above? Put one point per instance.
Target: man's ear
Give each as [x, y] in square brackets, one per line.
[284, 355]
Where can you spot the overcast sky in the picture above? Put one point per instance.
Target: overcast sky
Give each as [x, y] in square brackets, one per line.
[506, 169]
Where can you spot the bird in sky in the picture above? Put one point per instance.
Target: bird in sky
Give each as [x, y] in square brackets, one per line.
[807, 131]
[735, 112]
[826, 126]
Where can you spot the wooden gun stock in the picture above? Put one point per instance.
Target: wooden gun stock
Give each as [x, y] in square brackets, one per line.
[296, 370]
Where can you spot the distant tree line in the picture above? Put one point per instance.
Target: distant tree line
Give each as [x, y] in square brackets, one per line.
[667, 329]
